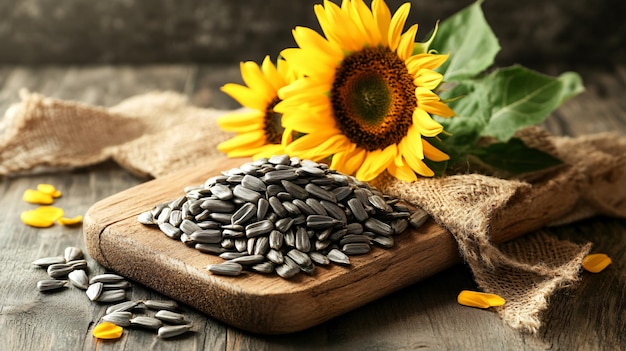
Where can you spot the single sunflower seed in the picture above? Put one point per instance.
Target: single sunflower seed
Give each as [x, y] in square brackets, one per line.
[120, 318]
[146, 322]
[170, 331]
[51, 284]
[79, 279]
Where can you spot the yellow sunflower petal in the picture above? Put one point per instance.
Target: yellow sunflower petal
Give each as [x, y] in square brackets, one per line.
[332, 145]
[426, 125]
[418, 165]
[255, 80]
[405, 47]
[308, 39]
[246, 96]
[437, 108]
[348, 161]
[425, 61]
[300, 60]
[397, 25]
[240, 121]
[425, 95]
[403, 172]
[274, 78]
[268, 151]
[412, 141]
[344, 31]
[428, 79]
[432, 153]
[243, 141]
[70, 221]
[376, 162]
[304, 122]
[364, 20]
[382, 16]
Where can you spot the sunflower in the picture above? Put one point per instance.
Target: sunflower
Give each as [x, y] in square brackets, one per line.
[365, 98]
[259, 129]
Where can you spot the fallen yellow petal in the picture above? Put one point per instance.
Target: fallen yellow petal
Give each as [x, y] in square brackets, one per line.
[70, 221]
[48, 189]
[37, 197]
[596, 263]
[479, 299]
[33, 219]
[107, 330]
[41, 217]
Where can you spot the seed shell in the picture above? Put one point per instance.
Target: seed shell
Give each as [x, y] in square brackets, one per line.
[171, 317]
[170, 331]
[169, 305]
[146, 322]
[79, 279]
[121, 318]
[50, 284]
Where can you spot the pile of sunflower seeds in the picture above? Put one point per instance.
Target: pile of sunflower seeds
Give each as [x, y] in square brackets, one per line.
[282, 215]
[109, 288]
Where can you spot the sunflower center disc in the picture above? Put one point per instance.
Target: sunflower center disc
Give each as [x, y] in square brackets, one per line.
[373, 98]
[272, 125]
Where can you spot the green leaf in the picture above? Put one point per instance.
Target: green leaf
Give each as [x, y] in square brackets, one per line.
[519, 97]
[469, 40]
[515, 157]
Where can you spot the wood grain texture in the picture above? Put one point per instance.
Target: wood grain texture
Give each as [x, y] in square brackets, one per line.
[587, 316]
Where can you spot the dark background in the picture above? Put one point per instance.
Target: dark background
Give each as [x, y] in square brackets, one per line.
[531, 32]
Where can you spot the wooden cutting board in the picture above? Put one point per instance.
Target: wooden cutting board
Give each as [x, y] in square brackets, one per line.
[253, 302]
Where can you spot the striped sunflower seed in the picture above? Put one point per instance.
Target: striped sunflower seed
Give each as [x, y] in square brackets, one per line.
[227, 268]
[120, 318]
[358, 210]
[383, 241]
[262, 206]
[79, 279]
[264, 267]
[253, 183]
[44, 262]
[299, 257]
[246, 194]
[106, 278]
[318, 258]
[221, 191]
[258, 228]
[320, 222]
[356, 248]
[244, 214]
[212, 249]
[168, 316]
[114, 295]
[171, 231]
[248, 260]
[418, 218]
[208, 236]
[51, 284]
[59, 270]
[303, 243]
[125, 306]
[338, 257]
[170, 331]
[378, 227]
[146, 218]
[169, 305]
[94, 291]
[275, 256]
[78, 264]
[217, 205]
[73, 253]
[146, 322]
[118, 285]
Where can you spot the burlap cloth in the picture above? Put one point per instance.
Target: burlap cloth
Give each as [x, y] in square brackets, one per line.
[158, 133]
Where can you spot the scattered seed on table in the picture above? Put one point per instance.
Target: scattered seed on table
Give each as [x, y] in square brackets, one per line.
[121, 318]
[44, 262]
[170, 331]
[79, 279]
[94, 291]
[171, 317]
[106, 278]
[125, 306]
[51, 284]
[146, 322]
[169, 305]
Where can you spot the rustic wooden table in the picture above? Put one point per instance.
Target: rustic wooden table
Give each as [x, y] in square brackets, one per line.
[588, 316]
